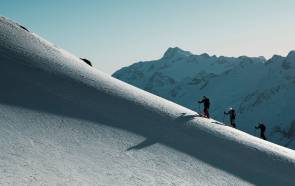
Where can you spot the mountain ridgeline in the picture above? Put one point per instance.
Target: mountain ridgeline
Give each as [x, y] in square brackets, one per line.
[260, 90]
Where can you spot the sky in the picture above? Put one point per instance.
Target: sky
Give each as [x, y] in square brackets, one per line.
[116, 33]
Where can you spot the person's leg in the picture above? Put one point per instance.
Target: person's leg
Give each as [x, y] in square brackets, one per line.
[234, 125]
[233, 122]
[206, 112]
[262, 135]
[208, 116]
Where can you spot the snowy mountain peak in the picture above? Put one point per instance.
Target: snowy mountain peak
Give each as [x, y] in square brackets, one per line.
[291, 56]
[276, 59]
[176, 52]
[205, 55]
[262, 58]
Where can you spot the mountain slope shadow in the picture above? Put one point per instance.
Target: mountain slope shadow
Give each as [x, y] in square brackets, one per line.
[146, 143]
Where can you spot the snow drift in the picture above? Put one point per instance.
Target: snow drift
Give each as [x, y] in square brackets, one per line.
[64, 122]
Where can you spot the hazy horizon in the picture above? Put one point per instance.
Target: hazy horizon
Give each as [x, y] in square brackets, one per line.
[113, 34]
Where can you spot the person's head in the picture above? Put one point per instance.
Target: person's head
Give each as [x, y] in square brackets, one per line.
[204, 97]
[230, 108]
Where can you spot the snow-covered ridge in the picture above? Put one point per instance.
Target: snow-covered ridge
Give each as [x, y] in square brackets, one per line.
[260, 90]
[63, 122]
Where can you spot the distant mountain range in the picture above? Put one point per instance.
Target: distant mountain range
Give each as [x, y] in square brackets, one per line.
[260, 90]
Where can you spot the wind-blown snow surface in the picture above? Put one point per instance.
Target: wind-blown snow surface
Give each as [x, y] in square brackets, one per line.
[259, 90]
[65, 123]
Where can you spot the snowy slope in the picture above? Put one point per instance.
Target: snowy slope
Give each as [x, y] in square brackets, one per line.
[65, 123]
[260, 90]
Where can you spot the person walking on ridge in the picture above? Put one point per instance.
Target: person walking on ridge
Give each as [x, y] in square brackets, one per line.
[262, 130]
[232, 116]
[206, 103]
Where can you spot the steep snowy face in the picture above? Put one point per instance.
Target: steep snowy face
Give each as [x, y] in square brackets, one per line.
[63, 122]
[276, 59]
[178, 65]
[260, 90]
[175, 53]
[289, 63]
[291, 56]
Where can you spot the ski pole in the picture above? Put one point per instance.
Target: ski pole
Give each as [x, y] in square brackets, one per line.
[257, 133]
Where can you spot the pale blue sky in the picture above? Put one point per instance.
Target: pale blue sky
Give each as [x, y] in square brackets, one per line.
[117, 33]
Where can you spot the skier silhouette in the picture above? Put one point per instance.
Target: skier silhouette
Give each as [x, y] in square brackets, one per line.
[262, 130]
[232, 116]
[206, 103]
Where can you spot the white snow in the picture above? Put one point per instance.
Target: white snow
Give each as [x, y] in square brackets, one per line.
[63, 122]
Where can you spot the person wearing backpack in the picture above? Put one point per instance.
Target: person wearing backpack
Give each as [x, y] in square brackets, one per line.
[206, 103]
[262, 128]
[232, 116]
